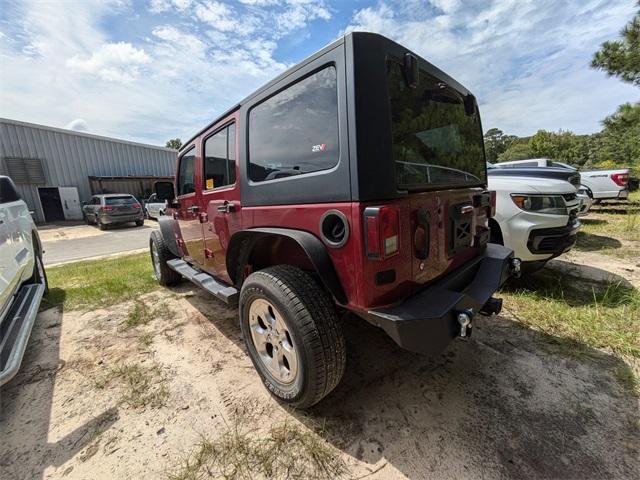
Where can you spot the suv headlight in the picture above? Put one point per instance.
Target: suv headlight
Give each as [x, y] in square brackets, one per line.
[552, 204]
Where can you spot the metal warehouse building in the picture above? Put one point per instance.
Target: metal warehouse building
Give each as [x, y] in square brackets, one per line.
[56, 169]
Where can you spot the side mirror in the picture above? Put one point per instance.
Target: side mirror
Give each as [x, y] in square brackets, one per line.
[164, 191]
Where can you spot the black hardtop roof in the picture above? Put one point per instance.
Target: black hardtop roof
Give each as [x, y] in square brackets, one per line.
[340, 41]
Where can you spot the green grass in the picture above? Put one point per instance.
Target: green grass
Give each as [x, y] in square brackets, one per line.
[608, 225]
[100, 283]
[284, 451]
[142, 385]
[577, 316]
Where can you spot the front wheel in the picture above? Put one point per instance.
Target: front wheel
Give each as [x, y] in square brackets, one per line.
[293, 335]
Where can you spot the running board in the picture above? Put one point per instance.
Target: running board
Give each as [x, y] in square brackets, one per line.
[224, 292]
[15, 329]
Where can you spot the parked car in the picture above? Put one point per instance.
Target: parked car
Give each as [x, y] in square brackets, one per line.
[295, 213]
[535, 217]
[600, 184]
[23, 281]
[559, 173]
[113, 209]
[155, 208]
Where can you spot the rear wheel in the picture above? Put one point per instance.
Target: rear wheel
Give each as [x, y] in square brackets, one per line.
[139, 223]
[101, 226]
[293, 334]
[160, 254]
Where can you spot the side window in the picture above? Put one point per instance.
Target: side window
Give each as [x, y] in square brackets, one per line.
[220, 158]
[152, 198]
[8, 192]
[186, 173]
[296, 130]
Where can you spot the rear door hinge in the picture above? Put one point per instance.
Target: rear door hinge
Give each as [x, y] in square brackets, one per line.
[204, 218]
[208, 253]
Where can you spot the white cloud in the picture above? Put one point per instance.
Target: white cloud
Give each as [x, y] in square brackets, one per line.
[159, 6]
[77, 125]
[117, 62]
[165, 70]
[526, 61]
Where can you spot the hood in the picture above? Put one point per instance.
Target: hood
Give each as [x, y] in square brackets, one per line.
[523, 184]
[571, 176]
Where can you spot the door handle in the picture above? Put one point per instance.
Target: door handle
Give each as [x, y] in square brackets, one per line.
[193, 209]
[422, 252]
[226, 207]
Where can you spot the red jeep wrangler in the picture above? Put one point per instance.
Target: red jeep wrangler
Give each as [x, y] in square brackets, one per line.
[356, 180]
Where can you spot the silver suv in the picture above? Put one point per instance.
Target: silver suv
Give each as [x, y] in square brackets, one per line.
[112, 209]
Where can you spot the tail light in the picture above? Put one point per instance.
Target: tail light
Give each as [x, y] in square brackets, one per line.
[382, 231]
[106, 208]
[621, 179]
[136, 206]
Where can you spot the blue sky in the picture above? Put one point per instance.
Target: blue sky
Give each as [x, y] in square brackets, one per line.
[150, 70]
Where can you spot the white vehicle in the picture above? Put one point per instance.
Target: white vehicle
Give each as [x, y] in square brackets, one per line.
[535, 217]
[22, 278]
[599, 184]
[155, 208]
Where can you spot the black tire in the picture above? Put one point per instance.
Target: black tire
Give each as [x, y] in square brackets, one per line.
[101, 225]
[163, 273]
[139, 223]
[311, 320]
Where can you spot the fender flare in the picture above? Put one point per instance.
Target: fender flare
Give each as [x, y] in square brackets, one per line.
[170, 230]
[242, 244]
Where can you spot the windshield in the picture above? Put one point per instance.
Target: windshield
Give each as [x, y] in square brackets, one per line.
[435, 142]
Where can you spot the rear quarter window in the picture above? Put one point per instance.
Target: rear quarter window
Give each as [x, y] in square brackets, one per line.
[295, 131]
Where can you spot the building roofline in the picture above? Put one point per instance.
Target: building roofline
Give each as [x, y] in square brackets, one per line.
[83, 134]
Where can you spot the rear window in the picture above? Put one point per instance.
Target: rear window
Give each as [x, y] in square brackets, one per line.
[128, 200]
[435, 142]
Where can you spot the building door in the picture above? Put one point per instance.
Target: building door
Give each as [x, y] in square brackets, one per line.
[51, 204]
[70, 203]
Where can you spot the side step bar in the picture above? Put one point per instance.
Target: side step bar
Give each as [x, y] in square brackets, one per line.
[224, 292]
[15, 329]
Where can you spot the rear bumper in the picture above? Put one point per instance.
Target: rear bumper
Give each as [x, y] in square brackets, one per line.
[15, 329]
[426, 322]
[113, 219]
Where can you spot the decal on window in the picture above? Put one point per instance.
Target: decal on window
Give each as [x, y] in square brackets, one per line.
[319, 148]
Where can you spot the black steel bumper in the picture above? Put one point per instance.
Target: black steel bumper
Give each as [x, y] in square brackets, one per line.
[426, 322]
[554, 241]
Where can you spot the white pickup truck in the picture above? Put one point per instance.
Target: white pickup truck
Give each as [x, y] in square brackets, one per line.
[599, 184]
[23, 281]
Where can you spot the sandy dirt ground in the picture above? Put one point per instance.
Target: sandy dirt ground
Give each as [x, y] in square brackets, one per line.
[498, 406]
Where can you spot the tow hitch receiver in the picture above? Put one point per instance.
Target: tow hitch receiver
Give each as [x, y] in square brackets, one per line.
[464, 319]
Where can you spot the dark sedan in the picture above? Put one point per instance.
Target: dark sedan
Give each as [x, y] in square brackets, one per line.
[113, 209]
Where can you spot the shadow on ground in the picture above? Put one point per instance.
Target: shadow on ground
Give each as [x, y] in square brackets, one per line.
[26, 410]
[589, 242]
